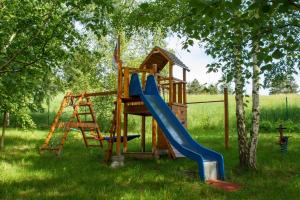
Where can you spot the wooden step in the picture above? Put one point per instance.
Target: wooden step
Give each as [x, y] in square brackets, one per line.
[85, 104]
[77, 125]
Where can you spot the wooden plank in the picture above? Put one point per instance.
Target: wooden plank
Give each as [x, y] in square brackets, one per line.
[174, 93]
[197, 102]
[131, 99]
[154, 135]
[180, 93]
[76, 125]
[126, 83]
[143, 133]
[119, 101]
[170, 83]
[226, 118]
[143, 79]
[125, 145]
[184, 87]
[104, 93]
[138, 70]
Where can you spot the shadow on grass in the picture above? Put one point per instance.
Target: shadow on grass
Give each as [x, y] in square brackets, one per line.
[80, 173]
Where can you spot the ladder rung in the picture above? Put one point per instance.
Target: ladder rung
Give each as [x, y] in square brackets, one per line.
[85, 104]
[85, 113]
[93, 145]
[50, 149]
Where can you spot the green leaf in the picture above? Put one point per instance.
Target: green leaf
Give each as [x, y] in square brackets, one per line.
[277, 54]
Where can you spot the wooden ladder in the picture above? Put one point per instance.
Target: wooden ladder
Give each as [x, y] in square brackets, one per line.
[74, 122]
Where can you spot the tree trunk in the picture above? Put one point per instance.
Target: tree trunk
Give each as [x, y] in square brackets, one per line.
[4, 125]
[255, 109]
[240, 117]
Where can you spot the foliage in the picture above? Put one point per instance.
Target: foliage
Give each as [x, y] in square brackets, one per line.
[246, 39]
[195, 87]
[287, 85]
[37, 37]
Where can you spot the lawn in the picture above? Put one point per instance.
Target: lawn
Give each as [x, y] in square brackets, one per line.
[79, 173]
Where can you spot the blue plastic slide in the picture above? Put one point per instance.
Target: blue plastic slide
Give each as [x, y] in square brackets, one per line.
[174, 131]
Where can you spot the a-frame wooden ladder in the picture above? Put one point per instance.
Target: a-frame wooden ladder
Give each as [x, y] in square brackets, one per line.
[75, 121]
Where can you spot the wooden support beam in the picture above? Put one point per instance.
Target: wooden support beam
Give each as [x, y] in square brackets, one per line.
[154, 135]
[184, 86]
[105, 93]
[125, 145]
[170, 83]
[180, 93]
[174, 93]
[197, 102]
[126, 83]
[143, 78]
[138, 70]
[226, 118]
[143, 133]
[119, 101]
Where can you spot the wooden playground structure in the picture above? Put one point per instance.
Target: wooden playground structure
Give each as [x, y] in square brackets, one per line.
[159, 63]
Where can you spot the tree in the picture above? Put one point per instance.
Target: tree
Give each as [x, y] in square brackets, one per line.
[194, 87]
[246, 38]
[285, 86]
[36, 38]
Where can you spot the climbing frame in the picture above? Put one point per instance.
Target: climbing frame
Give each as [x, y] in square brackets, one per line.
[88, 128]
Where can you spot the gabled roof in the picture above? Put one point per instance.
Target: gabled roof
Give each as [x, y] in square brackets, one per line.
[161, 57]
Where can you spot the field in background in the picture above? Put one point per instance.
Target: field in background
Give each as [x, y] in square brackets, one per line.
[273, 112]
[209, 116]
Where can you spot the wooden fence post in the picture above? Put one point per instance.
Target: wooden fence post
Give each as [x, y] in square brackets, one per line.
[226, 118]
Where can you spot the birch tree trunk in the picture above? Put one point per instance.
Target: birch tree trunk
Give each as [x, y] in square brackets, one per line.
[4, 124]
[240, 113]
[255, 108]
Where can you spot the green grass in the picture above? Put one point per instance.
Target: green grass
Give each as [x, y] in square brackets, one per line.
[79, 173]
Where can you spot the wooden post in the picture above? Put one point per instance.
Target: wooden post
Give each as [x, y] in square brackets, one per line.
[126, 83]
[143, 77]
[119, 101]
[154, 70]
[170, 83]
[180, 93]
[154, 134]
[125, 132]
[143, 143]
[174, 93]
[226, 118]
[184, 86]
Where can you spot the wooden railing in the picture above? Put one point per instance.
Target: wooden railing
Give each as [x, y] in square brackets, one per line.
[128, 71]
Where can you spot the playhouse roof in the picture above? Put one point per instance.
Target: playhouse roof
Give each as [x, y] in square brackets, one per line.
[161, 57]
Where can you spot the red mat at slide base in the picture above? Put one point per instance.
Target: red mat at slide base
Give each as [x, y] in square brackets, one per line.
[230, 187]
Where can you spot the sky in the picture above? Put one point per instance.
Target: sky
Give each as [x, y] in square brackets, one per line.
[196, 60]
